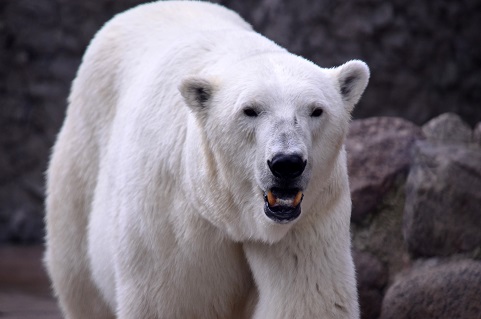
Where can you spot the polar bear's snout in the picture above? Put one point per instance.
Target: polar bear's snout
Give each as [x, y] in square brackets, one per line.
[287, 166]
[285, 170]
[283, 199]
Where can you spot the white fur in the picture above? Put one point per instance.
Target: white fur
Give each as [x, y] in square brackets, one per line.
[155, 202]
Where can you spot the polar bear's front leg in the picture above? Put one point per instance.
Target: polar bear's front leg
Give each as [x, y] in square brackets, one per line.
[308, 274]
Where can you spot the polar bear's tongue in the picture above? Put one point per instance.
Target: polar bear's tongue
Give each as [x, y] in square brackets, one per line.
[282, 200]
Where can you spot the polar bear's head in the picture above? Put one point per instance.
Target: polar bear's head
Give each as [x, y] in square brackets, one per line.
[273, 129]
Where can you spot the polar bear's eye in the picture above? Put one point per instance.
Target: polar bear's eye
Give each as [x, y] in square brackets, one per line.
[250, 112]
[316, 112]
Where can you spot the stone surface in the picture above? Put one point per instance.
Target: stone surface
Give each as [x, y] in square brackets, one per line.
[381, 235]
[443, 199]
[378, 151]
[477, 134]
[370, 270]
[370, 303]
[424, 58]
[371, 279]
[21, 208]
[42, 42]
[436, 291]
[448, 128]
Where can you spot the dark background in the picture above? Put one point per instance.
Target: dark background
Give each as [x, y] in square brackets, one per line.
[425, 59]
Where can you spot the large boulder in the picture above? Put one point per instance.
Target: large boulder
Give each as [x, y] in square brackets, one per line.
[448, 128]
[442, 213]
[379, 250]
[434, 290]
[379, 151]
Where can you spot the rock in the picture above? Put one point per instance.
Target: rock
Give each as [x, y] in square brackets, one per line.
[382, 237]
[442, 213]
[378, 151]
[370, 303]
[477, 134]
[21, 212]
[371, 279]
[26, 226]
[436, 291]
[448, 128]
[371, 273]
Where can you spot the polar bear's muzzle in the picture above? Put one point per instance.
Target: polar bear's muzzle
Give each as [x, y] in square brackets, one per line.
[283, 205]
[283, 198]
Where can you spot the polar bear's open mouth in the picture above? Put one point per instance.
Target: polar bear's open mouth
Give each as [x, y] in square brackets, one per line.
[283, 205]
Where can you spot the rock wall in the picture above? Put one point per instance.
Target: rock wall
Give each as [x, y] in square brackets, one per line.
[42, 42]
[416, 221]
[424, 56]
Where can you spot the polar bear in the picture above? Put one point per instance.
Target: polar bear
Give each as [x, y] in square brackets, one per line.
[200, 173]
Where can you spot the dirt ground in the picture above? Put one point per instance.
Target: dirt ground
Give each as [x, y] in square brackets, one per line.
[24, 287]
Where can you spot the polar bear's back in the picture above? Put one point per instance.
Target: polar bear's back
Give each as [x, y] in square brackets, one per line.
[191, 14]
[149, 39]
[175, 19]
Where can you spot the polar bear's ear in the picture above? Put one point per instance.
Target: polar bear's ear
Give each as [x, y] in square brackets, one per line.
[197, 92]
[352, 78]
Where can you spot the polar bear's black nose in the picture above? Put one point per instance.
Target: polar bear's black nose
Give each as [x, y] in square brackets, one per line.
[287, 166]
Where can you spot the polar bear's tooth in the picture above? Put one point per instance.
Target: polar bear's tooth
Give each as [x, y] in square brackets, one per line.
[271, 199]
[297, 199]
